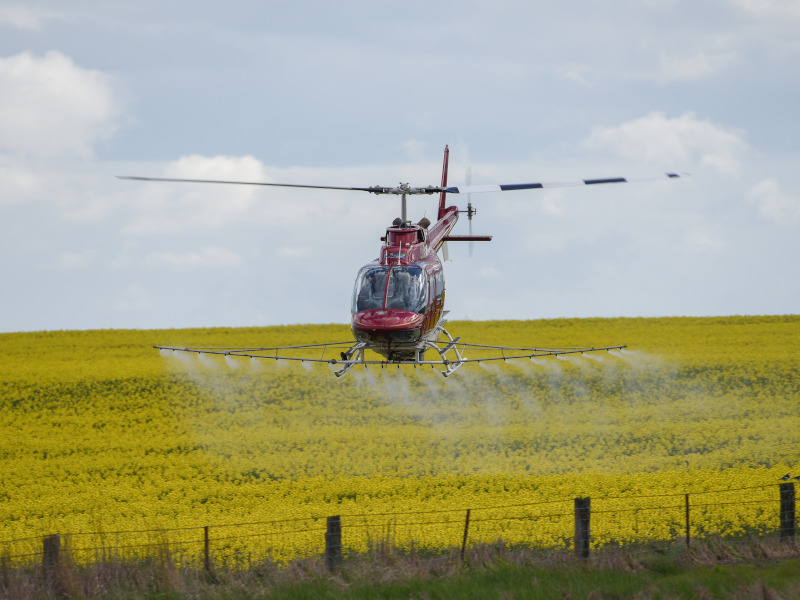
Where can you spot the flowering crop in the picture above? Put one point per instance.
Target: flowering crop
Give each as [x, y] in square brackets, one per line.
[101, 435]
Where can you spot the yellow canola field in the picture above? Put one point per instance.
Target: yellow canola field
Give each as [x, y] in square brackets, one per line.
[107, 441]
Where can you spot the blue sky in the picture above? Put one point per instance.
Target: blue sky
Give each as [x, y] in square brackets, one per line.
[358, 94]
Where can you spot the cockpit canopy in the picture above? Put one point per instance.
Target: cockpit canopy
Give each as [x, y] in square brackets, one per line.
[394, 287]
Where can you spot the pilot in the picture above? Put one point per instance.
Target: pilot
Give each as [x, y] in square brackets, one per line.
[399, 295]
[371, 293]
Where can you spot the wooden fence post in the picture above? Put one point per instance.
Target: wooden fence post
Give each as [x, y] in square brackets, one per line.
[787, 519]
[466, 533]
[333, 543]
[582, 518]
[51, 562]
[687, 521]
[52, 552]
[206, 550]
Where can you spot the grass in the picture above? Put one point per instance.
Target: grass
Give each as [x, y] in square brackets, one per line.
[712, 569]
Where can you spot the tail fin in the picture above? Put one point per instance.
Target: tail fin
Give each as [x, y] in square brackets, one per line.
[443, 195]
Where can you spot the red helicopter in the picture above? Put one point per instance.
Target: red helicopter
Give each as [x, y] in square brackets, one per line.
[397, 308]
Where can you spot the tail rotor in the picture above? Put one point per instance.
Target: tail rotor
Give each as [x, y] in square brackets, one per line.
[470, 210]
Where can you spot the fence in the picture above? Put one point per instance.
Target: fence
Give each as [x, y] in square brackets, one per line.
[579, 524]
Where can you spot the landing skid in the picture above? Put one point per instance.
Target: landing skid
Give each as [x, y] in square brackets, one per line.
[347, 357]
[355, 355]
[433, 343]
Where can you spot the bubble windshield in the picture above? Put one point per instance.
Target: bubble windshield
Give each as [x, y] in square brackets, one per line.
[397, 287]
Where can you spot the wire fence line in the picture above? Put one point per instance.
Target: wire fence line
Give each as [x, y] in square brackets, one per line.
[615, 520]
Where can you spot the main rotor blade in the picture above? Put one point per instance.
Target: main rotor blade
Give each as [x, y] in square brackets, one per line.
[477, 189]
[405, 189]
[374, 189]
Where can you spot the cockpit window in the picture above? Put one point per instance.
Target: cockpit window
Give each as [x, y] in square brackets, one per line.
[406, 289]
[370, 288]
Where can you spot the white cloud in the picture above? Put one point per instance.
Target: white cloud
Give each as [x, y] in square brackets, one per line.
[226, 168]
[773, 203]
[176, 207]
[673, 142]
[771, 8]
[50, 106]
[674, 67]
[17, 181]
[25, 18]
[211, 256]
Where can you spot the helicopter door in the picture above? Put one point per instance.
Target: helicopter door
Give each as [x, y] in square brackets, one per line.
[438, 299]
[434, 305]
[430, 313]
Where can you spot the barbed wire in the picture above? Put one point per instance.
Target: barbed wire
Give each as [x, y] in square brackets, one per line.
[475, 519]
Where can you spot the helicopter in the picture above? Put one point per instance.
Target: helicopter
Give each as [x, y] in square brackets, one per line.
[397, 306]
